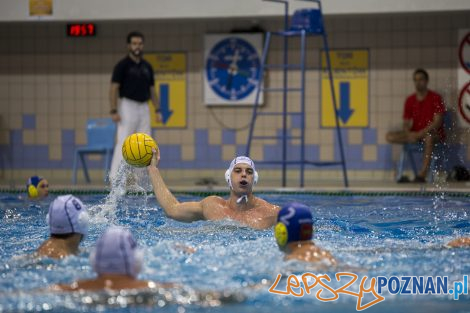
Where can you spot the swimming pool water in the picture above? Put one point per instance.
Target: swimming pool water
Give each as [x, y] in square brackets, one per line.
[368, 235]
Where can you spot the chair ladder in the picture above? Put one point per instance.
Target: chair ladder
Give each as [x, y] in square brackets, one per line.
[302, 162]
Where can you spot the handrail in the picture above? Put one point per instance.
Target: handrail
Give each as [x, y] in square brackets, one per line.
[286, 11]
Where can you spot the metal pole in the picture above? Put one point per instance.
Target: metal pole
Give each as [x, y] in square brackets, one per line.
[284, 115]
[302, 104]
[333, 96]
[260, 84]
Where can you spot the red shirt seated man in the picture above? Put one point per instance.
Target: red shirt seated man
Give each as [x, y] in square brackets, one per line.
[422, 120]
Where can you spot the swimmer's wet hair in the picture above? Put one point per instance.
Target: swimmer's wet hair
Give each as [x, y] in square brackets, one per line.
[62, 236]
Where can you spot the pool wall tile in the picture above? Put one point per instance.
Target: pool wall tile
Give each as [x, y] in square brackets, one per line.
[45, 102]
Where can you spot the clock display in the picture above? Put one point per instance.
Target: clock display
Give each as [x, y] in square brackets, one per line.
[81, 30]
[232, 68]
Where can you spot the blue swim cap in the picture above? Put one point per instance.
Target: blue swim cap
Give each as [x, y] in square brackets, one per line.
[294, 223]
[32, 186]
[34, 180]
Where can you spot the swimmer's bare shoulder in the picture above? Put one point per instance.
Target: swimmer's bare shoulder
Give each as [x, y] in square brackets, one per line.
[100, 284]
[264, 214]
[267, 206]
[212, 207]
[312, 254]
[459, 242]
[267, 210]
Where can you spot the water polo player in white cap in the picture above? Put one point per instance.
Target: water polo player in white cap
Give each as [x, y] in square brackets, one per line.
[68, 224]
[117, 260]
[241, 206]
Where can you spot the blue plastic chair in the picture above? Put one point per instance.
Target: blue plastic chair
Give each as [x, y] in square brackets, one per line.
[101, 134]
[409, 152]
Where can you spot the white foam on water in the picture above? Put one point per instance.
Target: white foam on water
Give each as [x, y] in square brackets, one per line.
[106, 212]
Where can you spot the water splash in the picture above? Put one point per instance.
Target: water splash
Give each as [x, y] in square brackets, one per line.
[442, 157]
[105, 211]
[128, 180]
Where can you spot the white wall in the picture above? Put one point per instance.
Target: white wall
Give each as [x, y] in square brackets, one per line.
[81, 10]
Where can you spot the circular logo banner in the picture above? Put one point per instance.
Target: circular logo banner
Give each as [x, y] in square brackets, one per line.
[464, 102]
[464, 53]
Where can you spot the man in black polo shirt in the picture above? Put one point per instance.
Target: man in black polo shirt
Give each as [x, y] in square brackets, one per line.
[133, 84]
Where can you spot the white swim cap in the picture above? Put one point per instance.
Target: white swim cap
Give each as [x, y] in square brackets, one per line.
[116, 252]
[238, 160]
[67, 215]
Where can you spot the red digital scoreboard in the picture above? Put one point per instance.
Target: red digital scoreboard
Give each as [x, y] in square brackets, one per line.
[81, 30]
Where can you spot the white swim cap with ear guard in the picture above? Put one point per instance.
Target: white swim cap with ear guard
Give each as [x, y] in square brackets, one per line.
[116, 252]
[238, 160]
[67, 214]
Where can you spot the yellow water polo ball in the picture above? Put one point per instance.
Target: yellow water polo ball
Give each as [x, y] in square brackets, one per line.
[137, 149]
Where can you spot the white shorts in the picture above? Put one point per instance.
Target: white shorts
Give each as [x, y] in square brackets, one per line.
[135, 118]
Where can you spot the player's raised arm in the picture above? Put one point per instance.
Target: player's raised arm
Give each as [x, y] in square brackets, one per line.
[180, 211]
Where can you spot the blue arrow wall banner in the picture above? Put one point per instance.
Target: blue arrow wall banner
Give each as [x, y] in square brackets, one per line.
[351, 80]
[171, 88]
[344, 111]
[165, 110]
